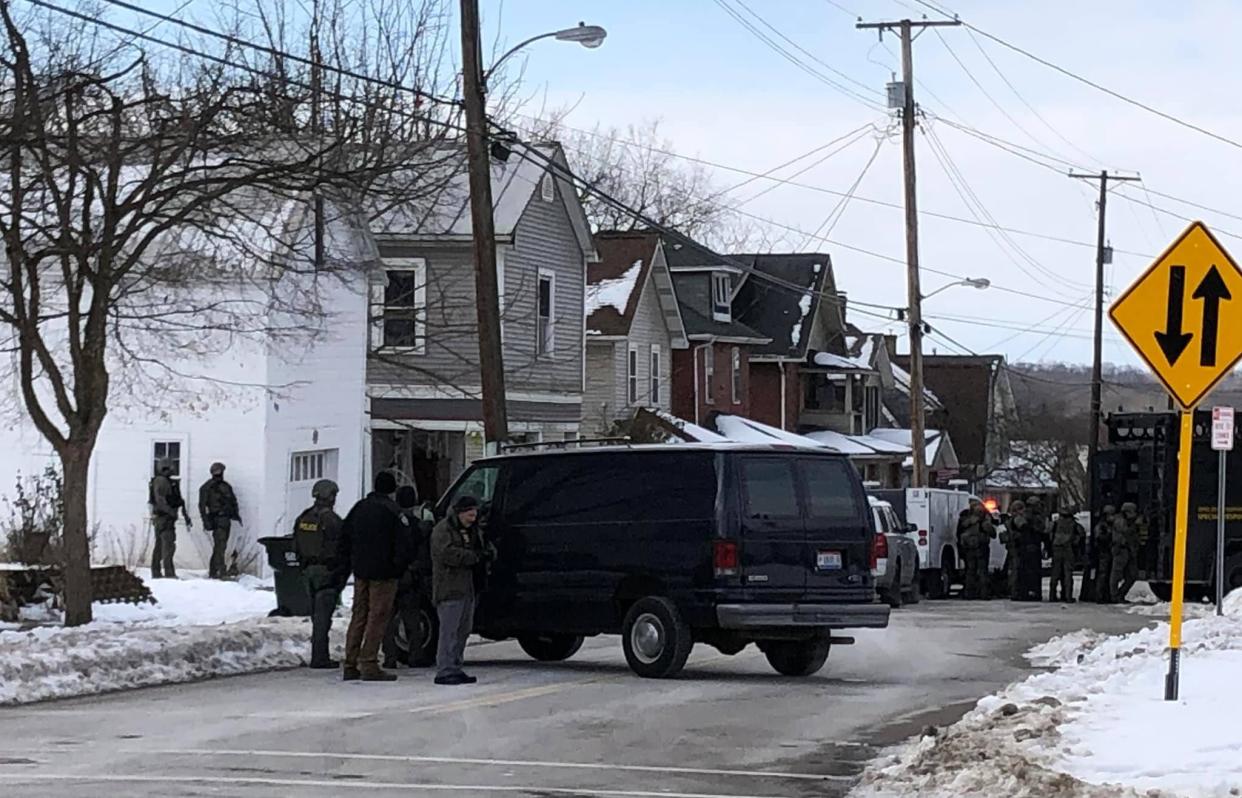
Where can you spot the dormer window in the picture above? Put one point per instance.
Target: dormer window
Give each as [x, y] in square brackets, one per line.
[722, 296]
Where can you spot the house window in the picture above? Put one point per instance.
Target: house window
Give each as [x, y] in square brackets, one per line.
[871, 414]
[314, 465]
[545, 320]
[547, 189]
[398, 312]
[166, 450]
[722, 297]
[631, 370]
[709, 375]
[823, 393]
[735, 356]
[655, 375]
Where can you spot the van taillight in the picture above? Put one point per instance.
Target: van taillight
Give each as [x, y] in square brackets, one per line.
[879, 549]
[724, 557]
[922, 537]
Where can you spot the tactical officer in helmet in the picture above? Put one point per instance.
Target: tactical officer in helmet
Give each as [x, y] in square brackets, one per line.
[217, 504]
[164, 497]
[316, 538]
[1104, 556]
[1126, 544]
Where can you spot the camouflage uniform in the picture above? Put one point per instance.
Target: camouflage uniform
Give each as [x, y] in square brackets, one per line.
[1067, 536]
[217, 504]
[1104, 556]
[1125, 551]
[163, 497]
[974, 536]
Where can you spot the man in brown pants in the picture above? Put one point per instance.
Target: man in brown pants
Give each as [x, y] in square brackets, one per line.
[376, 538]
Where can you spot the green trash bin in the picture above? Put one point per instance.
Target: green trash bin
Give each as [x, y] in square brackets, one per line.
[292, 594]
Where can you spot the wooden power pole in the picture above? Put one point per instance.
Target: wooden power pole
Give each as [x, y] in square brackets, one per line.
[1101, 257]
[918, 409]
[487, 293]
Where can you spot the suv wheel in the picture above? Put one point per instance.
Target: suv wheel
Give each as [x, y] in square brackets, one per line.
[915, 593]
[893, 596]
[417, 646]
[656, 640]
[550, 648]
[797, 658]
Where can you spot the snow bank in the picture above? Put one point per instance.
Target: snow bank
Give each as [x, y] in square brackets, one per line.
[198, 629]
[1095, 725]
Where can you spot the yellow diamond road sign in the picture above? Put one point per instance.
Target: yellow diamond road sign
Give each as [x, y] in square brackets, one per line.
[1184, 315]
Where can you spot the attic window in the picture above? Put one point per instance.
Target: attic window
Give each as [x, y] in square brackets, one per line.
[722, 297]
[547, 189]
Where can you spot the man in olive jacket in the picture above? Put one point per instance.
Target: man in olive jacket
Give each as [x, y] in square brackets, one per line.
[456, 551]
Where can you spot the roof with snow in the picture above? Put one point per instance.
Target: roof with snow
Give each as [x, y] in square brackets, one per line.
[936, 440]
[841, 362]
[777, 309]
[745, 430]
[700, 326]
[615, 283]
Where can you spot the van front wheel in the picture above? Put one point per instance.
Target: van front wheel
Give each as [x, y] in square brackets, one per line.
[797, 658]
[550, 648]
[655, 638]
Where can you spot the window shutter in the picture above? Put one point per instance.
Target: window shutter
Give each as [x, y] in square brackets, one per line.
[376, 315]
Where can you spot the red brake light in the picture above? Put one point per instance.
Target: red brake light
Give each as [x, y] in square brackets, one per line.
[922, 537]
[725, 557]
[879, 549]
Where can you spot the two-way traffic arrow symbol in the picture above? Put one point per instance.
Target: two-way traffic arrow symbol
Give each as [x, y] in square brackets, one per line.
[1173, 341]
[1212, 290]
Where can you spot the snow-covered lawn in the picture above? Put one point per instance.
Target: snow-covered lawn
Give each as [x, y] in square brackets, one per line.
[1095, 724]
[199, 628]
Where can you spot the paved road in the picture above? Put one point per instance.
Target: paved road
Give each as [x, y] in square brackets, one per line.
[730, 727]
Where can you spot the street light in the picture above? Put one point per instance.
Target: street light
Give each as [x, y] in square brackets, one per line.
[972, 282]
[589, 36]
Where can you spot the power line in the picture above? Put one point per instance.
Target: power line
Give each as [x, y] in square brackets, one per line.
[793, 59]
[839, 210]
[814, 150]
[818, 162]
[1088, 82]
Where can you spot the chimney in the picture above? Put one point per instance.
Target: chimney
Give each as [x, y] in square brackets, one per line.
[890, 343]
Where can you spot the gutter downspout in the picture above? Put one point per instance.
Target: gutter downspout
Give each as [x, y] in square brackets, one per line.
[695, 368]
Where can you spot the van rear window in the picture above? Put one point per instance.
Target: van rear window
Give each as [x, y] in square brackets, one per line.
[770, 488]
[832, 490]
[611, 488]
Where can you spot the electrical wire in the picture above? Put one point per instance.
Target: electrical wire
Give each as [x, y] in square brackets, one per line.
[770, 172]
[818, 162]
[839, 210]
[1088, 82]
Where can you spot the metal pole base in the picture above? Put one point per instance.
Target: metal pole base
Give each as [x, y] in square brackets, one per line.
[1173, 678]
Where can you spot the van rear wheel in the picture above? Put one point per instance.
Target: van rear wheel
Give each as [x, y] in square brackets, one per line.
[797, 657]
[550, 648]
[655, 638]
[417, 646]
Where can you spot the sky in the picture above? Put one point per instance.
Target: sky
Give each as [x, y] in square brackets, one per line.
[724, 96]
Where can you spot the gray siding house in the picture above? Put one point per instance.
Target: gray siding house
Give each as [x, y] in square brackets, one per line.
[422, 371]
[633, 326]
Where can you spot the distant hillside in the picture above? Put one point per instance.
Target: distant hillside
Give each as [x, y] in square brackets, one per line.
[1054, 400]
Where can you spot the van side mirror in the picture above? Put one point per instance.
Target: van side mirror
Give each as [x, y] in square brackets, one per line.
[912, 527]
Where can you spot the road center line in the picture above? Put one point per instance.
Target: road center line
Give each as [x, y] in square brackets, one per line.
[341, 786]
[524, 763]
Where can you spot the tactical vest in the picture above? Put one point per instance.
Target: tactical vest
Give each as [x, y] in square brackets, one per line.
[308, 536]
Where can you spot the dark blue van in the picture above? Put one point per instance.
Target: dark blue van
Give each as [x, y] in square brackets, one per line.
[672, 545]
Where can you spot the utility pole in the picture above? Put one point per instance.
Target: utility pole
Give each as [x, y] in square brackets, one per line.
[487, 293]
[1101, 257]
[918, 410]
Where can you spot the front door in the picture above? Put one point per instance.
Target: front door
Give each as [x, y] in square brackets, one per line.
[773, 541]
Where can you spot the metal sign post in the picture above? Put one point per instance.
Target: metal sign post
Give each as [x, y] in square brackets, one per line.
[1222, 442]
[1172, 316]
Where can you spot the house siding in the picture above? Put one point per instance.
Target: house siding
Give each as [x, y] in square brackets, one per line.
[688, 371]
[599, 401]
[543, 240]
[765, 394]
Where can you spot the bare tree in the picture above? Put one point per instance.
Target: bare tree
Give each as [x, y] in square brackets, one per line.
[156, 206]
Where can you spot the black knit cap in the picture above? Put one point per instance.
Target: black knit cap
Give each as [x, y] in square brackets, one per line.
[385, 483]
[465, 503]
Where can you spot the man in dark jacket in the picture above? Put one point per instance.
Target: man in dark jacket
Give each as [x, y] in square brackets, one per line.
[164, 496]
[405, 609]
[1104, 556]
[316, 539]
[217, 504]
[375, 534]
[1067, 537]
[456, 552]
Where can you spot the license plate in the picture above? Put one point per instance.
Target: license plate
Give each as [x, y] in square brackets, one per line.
[828, 560]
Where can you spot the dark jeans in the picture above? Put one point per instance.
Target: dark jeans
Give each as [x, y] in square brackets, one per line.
[220, 529]
[165, 547]
[1030, 582]
[456, 621]
[1104, 578]
[373, 600]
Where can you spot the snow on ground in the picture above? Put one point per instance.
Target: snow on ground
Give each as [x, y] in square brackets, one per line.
[199, 628]
[1094, 725]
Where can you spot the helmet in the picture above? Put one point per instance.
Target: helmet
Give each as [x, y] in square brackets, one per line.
[164, 466]
[1110, 509]
[217, 469]
[1033, 500]
[1017, 506]
[324, 489]
[1129, 507]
